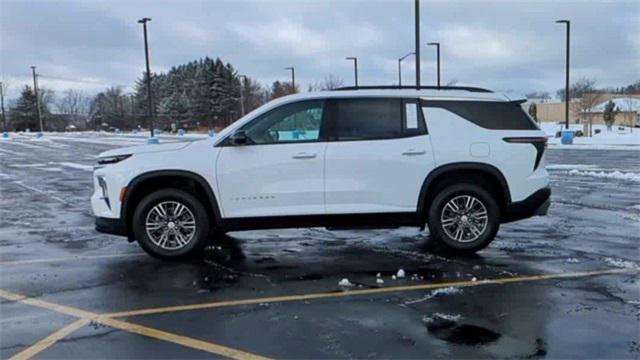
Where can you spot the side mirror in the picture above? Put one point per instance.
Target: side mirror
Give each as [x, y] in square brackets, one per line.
[239, 138]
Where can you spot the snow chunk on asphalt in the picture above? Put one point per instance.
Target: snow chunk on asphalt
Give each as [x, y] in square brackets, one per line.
[619, 263]
[437, 317]
[400, 274]
[435, 293]
[345, 283]
[617, 175]
[572, 261]
[379, 281]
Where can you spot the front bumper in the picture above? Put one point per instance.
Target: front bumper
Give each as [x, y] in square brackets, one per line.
[111, 226]
[536, 204]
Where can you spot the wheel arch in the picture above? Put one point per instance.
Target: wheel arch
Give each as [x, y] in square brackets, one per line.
[148, 182]
[457, 171]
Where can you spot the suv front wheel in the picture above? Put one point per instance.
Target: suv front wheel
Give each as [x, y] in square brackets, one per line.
[171, 224]
[464, 218]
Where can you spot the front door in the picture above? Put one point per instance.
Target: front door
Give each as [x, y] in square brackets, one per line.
[280, 171]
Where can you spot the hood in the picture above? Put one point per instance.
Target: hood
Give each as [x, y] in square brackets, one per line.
[146, 149]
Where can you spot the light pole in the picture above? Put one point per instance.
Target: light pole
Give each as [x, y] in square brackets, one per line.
[243, 81]
[35, 91]
[417, 39]
[144, 21]
[566, 80]
[437, 45]
[4, 119]
[293, 78]
[400, 67]
[355, 67]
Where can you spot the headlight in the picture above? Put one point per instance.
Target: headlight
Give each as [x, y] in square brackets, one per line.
[112, 159]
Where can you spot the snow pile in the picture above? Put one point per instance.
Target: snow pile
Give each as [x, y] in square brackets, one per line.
[438, 317]
[345, 283]
[620, 137]
[400, 274]
[618, 175]
[620, 263]
[435, 293]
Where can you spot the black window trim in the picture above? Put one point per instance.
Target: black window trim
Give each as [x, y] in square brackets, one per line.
[330, 108]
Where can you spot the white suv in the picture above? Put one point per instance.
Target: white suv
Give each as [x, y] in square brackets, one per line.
[461, 160]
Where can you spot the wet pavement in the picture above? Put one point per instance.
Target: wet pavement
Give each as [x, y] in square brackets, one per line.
[275, 293]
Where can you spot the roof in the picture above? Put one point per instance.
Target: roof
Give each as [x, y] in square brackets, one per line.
[427, 93]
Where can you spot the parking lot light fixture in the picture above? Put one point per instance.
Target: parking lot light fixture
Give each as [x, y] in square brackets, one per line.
[144, 21]
[566, 80]
[400, 67]
[293, 78]
[437, 45]
[355, 68]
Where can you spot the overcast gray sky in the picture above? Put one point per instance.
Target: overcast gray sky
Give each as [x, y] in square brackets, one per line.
[503, 45]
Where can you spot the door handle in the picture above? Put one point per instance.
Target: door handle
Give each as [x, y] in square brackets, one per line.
[411, 152]
[304, 155]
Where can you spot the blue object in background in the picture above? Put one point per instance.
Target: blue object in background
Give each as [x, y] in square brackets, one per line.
[567, 137]
[180, 132]
[153, 140]
[212, 133]
[117, 131]
[157, 132]
[5, 135]
[295, 134]
[39, 134]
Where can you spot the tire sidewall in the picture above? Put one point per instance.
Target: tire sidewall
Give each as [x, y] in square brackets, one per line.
[198, 241]
[448, 193]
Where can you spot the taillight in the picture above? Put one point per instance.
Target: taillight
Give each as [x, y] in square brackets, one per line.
[539, 142]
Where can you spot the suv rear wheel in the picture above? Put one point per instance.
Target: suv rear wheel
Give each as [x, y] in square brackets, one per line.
[171, 224]
[464, 218]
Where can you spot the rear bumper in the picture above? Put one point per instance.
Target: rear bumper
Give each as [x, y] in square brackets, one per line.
[111, 226]
[536, 204]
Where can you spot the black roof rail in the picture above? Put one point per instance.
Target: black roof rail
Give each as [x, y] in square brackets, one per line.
[409, 87]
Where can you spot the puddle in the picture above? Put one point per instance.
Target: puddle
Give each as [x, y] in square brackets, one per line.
[465, 334]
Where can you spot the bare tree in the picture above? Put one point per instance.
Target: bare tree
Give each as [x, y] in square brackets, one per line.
[330, 82]
[539, 95]
[73, 102]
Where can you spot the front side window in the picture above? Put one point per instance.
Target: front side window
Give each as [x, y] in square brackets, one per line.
[296, 122]
[368, 119]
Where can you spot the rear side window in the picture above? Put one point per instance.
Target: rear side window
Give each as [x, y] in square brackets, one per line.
[489, 114]
[368, 119]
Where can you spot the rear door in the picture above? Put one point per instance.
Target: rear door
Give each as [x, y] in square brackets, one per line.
[378, 156]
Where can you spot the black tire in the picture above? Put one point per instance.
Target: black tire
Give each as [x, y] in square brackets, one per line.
[197, 242]
[438, 231]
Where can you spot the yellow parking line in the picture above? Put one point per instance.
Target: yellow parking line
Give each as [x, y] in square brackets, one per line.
[326, 295]
[179, 339]
[69, 259]
[43, 344]
[86, 316]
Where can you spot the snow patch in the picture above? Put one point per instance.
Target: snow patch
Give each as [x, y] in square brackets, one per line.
[620, 263]
[618, 175]
[435, 293]
[440, 317]
[76, 166]
[400, 274]
[572, 261]
[570, 167]
[345, 283]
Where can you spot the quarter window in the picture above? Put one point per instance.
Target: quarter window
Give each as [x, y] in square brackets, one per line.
[489, 114]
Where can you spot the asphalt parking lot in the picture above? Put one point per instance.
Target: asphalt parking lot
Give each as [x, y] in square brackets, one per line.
[561, 286]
